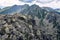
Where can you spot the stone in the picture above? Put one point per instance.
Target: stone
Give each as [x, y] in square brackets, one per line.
[7, 30]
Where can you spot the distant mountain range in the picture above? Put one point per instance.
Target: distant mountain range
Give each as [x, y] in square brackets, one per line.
[25, 9]
[12, 9]
[58, 9]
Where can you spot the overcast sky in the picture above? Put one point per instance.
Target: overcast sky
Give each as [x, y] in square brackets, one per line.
[42, 3]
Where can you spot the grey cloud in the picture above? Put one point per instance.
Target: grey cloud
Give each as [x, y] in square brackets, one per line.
[27, 1]
[41, 1]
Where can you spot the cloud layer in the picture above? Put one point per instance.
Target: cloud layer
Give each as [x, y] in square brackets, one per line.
[44, 1]
[28, 1]
[10, 2]
[41, 3]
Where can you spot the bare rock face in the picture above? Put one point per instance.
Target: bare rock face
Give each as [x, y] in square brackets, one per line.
[24, 27]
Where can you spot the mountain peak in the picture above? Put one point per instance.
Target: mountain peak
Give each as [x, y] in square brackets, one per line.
[34, 5]
[26, 5]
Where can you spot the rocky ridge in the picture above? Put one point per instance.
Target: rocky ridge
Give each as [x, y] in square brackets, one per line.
[24, 27]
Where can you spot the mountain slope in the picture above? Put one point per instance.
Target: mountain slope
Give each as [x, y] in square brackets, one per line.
[23, 27]
[13, 9]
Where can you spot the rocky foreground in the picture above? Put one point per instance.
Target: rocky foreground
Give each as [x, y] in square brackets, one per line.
[19, 27]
